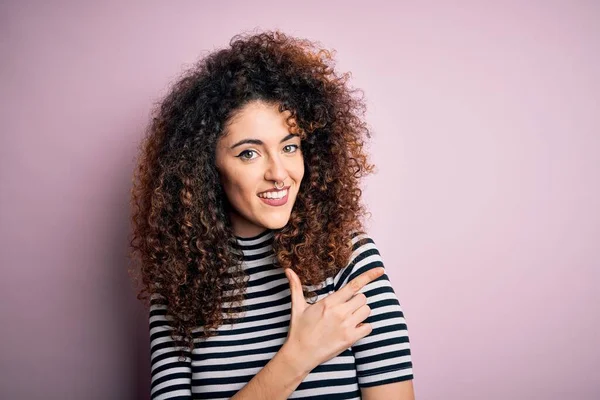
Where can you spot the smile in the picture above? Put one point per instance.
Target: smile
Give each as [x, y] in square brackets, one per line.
[275, 194]
[275, 197]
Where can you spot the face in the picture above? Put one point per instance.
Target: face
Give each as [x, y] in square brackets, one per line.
[256, 152]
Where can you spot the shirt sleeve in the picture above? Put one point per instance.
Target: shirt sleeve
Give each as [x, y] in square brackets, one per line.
[384, 355]
[171, 375]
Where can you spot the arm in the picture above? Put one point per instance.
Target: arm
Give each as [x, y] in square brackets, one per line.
[277, 380]
[383, 358]
[171, 377]
[331, 320]
[317, 333]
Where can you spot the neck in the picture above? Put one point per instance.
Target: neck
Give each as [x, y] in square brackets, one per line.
[242, 228]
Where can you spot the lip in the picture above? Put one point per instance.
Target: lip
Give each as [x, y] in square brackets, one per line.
[276, 202]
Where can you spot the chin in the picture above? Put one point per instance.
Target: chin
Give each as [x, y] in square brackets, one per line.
[276, 223]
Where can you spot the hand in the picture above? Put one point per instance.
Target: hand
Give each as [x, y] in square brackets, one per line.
[321, 331]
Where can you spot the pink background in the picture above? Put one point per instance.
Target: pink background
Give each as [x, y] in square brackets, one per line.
[485, 205]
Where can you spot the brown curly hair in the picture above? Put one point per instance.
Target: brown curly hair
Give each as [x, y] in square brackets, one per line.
[182, 236]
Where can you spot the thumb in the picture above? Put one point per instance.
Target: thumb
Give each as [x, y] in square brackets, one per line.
[295, 289]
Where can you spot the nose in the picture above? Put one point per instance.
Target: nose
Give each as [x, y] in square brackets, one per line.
[276, 170]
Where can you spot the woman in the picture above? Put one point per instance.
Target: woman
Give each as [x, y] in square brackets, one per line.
[249, 175]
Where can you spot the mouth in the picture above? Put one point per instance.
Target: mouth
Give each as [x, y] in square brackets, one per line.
[276, 197]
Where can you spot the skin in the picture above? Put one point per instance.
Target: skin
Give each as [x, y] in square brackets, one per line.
[248, 169]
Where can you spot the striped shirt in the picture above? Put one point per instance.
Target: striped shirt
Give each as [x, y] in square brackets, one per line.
[223, 364]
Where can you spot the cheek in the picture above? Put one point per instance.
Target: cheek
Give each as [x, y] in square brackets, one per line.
[237, 189]
[299, 170]
[230, 185]
[239, 186]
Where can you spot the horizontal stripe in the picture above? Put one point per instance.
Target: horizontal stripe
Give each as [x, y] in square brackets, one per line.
[221, 365]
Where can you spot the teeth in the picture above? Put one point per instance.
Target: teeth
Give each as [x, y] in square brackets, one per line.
[274, 195]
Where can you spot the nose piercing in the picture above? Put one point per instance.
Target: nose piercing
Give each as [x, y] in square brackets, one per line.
[277, 186]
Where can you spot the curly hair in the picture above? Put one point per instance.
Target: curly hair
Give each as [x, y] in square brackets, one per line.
[182, 236]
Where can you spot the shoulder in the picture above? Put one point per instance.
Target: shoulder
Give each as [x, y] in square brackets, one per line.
[362, 243]
[365, 256]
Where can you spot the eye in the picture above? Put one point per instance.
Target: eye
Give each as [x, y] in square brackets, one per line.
[246, 155]
[292, 148]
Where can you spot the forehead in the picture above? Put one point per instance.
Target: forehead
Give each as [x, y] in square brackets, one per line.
[257, 120]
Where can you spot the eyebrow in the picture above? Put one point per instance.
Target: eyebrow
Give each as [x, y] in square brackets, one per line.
[260, 142]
